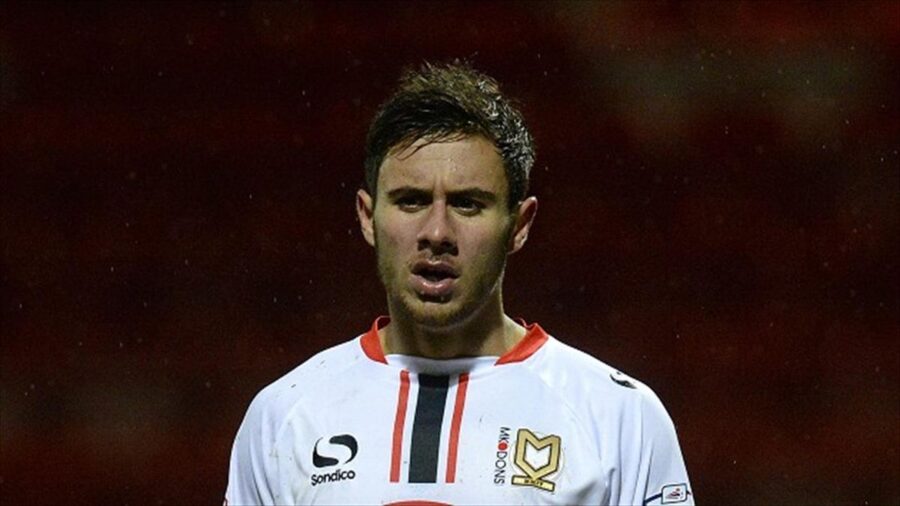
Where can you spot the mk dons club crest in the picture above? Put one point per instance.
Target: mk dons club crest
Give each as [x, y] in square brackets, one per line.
[538, 458]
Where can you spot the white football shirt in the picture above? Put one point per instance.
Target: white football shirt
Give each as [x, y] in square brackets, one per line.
[543, 424]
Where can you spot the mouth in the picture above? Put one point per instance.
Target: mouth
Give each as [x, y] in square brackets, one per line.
[434, 280]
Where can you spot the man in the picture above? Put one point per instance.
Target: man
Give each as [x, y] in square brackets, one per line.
[448, 400]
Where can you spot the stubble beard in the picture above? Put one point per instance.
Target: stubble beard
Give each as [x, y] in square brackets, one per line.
[460, 308]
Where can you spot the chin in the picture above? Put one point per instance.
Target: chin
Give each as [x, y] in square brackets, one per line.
[436, 314]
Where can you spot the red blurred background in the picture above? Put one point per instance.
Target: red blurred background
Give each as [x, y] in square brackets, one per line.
[719, 192]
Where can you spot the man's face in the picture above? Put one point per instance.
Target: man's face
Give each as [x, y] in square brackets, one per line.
[442, 228]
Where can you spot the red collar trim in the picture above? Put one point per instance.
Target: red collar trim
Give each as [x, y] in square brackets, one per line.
[528, 346]
[531, 343]
[371, 345]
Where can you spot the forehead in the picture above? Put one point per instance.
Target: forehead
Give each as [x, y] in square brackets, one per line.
[468, 162]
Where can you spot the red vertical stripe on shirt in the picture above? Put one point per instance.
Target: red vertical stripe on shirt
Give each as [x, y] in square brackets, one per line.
[399, 422]
[461, 387]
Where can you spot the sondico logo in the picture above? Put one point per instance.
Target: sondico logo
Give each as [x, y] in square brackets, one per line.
[527, 446]
[347, 442]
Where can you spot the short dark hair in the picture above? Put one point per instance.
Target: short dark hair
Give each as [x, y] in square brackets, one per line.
[440, 102]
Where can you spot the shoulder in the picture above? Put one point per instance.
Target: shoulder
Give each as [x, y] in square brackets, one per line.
[273, 404]
[633, 430]
[586, 381]
[569, 367]
[254, 471]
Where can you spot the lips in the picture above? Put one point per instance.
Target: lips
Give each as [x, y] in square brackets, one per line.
[434, 279]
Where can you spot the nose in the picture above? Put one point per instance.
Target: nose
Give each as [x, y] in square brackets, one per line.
[437, 231]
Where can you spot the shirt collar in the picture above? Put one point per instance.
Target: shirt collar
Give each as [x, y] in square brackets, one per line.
[535, 337]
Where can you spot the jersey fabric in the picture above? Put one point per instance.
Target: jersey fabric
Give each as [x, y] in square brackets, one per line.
[543, 424]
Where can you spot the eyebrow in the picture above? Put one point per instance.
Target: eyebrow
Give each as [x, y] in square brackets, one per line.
[473, 192]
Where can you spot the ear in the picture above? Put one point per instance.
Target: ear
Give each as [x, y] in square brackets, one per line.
[366, 212]
[524, 218]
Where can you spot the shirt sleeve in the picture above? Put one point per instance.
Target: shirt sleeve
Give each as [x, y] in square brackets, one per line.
[655, 473]
[249, 478]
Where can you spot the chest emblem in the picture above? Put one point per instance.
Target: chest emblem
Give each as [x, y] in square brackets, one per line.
[538, 458]
[333, 454]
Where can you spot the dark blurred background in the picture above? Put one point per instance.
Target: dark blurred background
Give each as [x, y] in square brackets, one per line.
[719, 187]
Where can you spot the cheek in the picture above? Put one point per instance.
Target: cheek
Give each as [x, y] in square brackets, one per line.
[390, 241]
[491, 234]
[487, 245]
[387, 237]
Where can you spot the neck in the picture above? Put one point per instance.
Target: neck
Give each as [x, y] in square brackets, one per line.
[489, 332]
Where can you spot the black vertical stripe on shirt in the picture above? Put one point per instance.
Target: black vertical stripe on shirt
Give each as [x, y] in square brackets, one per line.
[426, 432]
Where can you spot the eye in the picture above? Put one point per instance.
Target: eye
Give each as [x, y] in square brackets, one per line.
[411, 203]
[468, 205]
